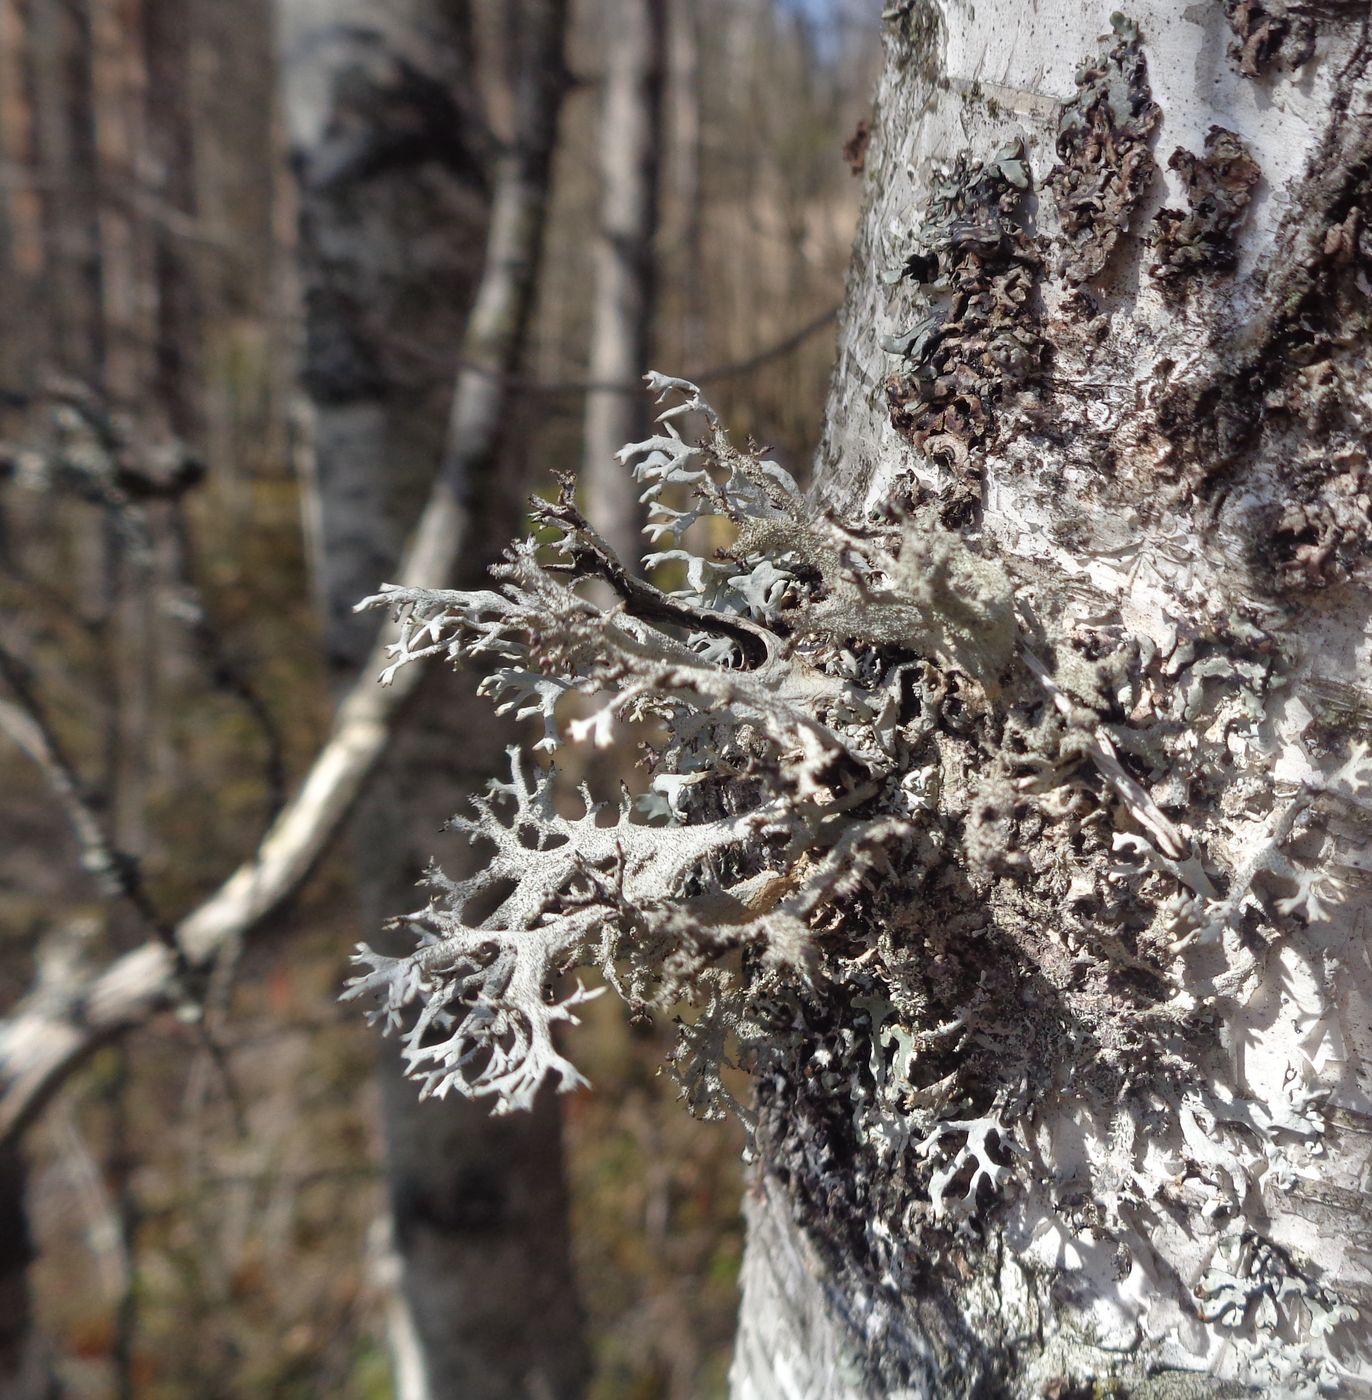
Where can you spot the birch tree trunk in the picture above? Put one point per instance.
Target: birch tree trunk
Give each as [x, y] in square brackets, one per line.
[392, 183]
[1104, 1126]
[630, 139]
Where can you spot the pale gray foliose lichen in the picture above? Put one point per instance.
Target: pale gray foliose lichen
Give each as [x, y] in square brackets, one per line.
[905, 826]
[782, 677]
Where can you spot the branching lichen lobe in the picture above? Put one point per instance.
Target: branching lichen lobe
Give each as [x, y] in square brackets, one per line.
[935, 821]
[781, 672]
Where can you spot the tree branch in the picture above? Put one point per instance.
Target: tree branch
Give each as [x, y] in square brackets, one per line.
[115, 872]
[54, 1029]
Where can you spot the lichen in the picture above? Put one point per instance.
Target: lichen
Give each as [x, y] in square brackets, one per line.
[975, 337]
[1324, 536]
[1103, 148]
[1266, 31]
[912, 31]
[1254, 1286]
[779, 674]
[911, 848]
[1219, 186]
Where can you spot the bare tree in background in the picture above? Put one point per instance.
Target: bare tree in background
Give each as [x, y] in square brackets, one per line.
[168, 767]
[58, 97]
[685, 87]
[392, 159]
[630, 146]
[65, 1018]
[61, 99]
[25, 1363]
[177, 351]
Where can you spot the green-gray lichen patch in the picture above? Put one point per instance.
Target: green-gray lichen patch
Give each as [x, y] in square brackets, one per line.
[1103, 149]
[1219, 185]
[785, 679]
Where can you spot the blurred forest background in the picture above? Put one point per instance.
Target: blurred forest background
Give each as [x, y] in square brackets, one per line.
[212, 311]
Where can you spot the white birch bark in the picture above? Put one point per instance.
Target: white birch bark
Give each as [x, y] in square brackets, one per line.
[1187, 468]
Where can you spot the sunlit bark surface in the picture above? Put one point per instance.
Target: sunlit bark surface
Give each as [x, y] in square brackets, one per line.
[1167, 449]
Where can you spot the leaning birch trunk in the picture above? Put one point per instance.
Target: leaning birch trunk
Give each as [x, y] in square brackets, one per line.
[630, 139]
[484, 1305]
[1109, 1126]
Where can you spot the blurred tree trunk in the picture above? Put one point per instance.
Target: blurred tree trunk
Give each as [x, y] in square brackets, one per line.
[632, 37]
[57, 65]
[1190, 480]
[25, 1373]
[61, 98]
[13, 352]
[167, 59]
[686, 88]
[393, 174]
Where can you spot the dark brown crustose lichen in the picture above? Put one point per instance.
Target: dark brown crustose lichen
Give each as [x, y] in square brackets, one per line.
[1219, 186]
[976, 337]
[1105, 162]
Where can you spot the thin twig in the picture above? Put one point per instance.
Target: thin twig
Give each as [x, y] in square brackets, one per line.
[115, 872]
[710, 375]
[215, 1059]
